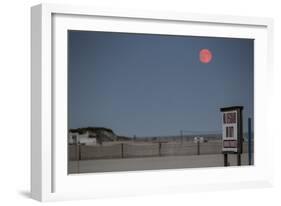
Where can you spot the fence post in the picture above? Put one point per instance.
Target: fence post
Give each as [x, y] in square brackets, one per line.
[225, 159]
[249, 141]
[159, 148]
[78, 156]
[198, 147]
[122, 150]
[239, 159]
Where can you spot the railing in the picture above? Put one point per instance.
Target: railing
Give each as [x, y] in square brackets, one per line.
[144, 149]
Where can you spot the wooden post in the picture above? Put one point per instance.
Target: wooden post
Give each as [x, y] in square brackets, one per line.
[122, 150]
[225, 159]
[78, 156]
[159, 149]
[239, 159]
[198, 147]
[249, 141]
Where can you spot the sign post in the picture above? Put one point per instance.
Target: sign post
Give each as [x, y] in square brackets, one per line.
[232, 132]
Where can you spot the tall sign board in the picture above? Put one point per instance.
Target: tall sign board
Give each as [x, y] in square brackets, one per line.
[232, 129]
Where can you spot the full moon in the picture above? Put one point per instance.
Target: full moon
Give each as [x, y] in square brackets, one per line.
[205, 56]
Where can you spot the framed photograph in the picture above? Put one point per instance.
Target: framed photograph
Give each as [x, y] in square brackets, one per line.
[138, 102]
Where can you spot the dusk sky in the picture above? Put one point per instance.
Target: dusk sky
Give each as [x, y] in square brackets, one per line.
[150, 85]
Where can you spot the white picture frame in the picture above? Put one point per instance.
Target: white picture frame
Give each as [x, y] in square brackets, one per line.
[49, 179]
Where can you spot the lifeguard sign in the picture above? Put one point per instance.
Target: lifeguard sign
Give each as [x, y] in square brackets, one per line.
[232, 129]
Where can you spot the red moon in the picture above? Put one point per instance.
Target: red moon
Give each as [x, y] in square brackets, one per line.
[205, 56]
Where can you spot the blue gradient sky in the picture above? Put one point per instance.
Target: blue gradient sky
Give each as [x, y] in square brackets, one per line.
[147, 85]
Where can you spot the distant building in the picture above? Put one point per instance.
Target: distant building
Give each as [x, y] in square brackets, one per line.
[85, 138]
[90, 135]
